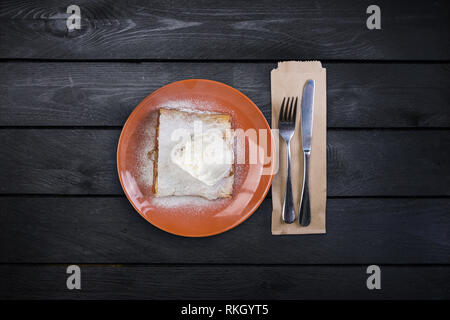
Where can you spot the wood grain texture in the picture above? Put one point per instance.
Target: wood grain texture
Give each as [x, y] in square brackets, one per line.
[224, 282]
[360, 162]
[71, 161]
[108, 230]
[287, 29]
[61, 201]
[97, 94]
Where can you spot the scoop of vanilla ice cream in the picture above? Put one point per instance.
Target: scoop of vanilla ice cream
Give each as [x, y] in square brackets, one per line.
[208, 157]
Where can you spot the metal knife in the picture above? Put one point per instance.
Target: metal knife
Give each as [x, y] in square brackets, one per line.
[307, 127]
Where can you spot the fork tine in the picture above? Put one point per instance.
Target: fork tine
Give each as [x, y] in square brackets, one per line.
[291, 109]
[294, 113]
[286, 110]
[283, 106]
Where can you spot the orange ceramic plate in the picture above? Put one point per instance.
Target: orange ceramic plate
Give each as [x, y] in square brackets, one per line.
[252, 180]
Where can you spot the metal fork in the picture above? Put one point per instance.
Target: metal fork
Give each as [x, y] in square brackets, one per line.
[286, 126]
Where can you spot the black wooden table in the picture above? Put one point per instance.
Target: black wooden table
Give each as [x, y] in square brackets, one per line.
[64, 97]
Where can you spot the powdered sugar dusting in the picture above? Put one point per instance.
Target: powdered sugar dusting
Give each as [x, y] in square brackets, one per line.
[193, 204]
[146, 152]
[189, 105]
[195, 105]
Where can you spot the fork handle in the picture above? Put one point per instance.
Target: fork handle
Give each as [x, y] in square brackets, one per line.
[305, 208]
[288, 203]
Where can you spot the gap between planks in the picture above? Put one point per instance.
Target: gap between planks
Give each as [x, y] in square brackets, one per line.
[136, 264]
[339, 61]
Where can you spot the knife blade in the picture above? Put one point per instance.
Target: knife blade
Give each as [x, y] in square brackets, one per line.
[307, 114]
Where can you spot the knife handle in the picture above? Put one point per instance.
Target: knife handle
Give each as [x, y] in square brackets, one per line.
[288, 203]
[305, 208]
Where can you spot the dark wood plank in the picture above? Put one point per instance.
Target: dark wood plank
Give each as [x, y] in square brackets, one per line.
[224, 282]
[287, 29]
[108, 230]
[388, 163]
[359, 95]
[59, 161]
[360, 162]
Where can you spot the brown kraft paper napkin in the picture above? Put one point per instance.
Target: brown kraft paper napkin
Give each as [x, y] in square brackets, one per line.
[288, 80]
